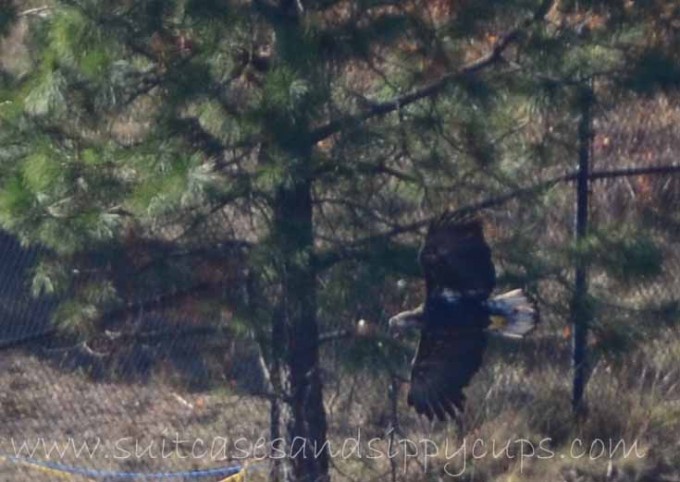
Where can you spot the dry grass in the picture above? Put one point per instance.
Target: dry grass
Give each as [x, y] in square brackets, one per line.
[42, 401]
[517, 401]
[521, 394]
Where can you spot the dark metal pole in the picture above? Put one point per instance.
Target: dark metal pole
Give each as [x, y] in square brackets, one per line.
[580, 313]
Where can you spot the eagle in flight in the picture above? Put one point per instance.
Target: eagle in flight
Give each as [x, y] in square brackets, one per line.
[457, 314]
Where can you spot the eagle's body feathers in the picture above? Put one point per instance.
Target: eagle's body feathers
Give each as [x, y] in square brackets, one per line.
[457, 315]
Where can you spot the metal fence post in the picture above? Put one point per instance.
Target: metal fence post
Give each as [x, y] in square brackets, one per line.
[580, 312]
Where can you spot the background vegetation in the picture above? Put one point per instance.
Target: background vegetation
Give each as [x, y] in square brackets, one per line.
[215, 192]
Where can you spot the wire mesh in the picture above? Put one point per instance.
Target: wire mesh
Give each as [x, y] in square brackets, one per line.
[198, 393]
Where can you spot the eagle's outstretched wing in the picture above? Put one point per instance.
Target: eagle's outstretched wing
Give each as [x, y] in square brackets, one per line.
[448, 356]
[454, 319]
[455, 256]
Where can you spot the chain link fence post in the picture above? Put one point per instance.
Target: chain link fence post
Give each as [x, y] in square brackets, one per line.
[580, 314]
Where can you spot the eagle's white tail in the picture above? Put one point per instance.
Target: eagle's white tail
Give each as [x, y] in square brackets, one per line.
[512, 314]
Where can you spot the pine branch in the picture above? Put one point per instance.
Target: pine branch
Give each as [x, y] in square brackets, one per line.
[361, 248]
[378, 166]
[434, 88]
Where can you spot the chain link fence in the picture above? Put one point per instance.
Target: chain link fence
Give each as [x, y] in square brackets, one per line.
[524, 389]
[188, 400]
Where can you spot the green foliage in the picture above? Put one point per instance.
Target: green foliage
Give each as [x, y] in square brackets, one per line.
[42, 171]
[101, 293]
[627, 254]
[146, 138]
[46, 96]
[15, 203]
[285, 94]
[635, 259]
[76, 317]
[50, 279]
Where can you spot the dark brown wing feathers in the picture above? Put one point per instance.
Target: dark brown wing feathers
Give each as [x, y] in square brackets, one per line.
[445, 362]
[455, 256]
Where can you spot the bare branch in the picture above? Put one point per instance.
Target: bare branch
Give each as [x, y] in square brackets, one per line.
[39, 11]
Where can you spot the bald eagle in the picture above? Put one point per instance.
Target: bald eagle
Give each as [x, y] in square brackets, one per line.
[457, 314]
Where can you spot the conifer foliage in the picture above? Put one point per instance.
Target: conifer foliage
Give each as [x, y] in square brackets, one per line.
[242, 153]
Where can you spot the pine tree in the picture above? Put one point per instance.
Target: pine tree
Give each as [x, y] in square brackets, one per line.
[246, 152]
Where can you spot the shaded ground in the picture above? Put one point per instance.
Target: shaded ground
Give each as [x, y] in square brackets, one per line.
[42, 403]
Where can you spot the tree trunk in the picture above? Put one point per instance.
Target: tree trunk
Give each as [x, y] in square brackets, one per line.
[293, 237]
[278, 334]
[307, 426]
